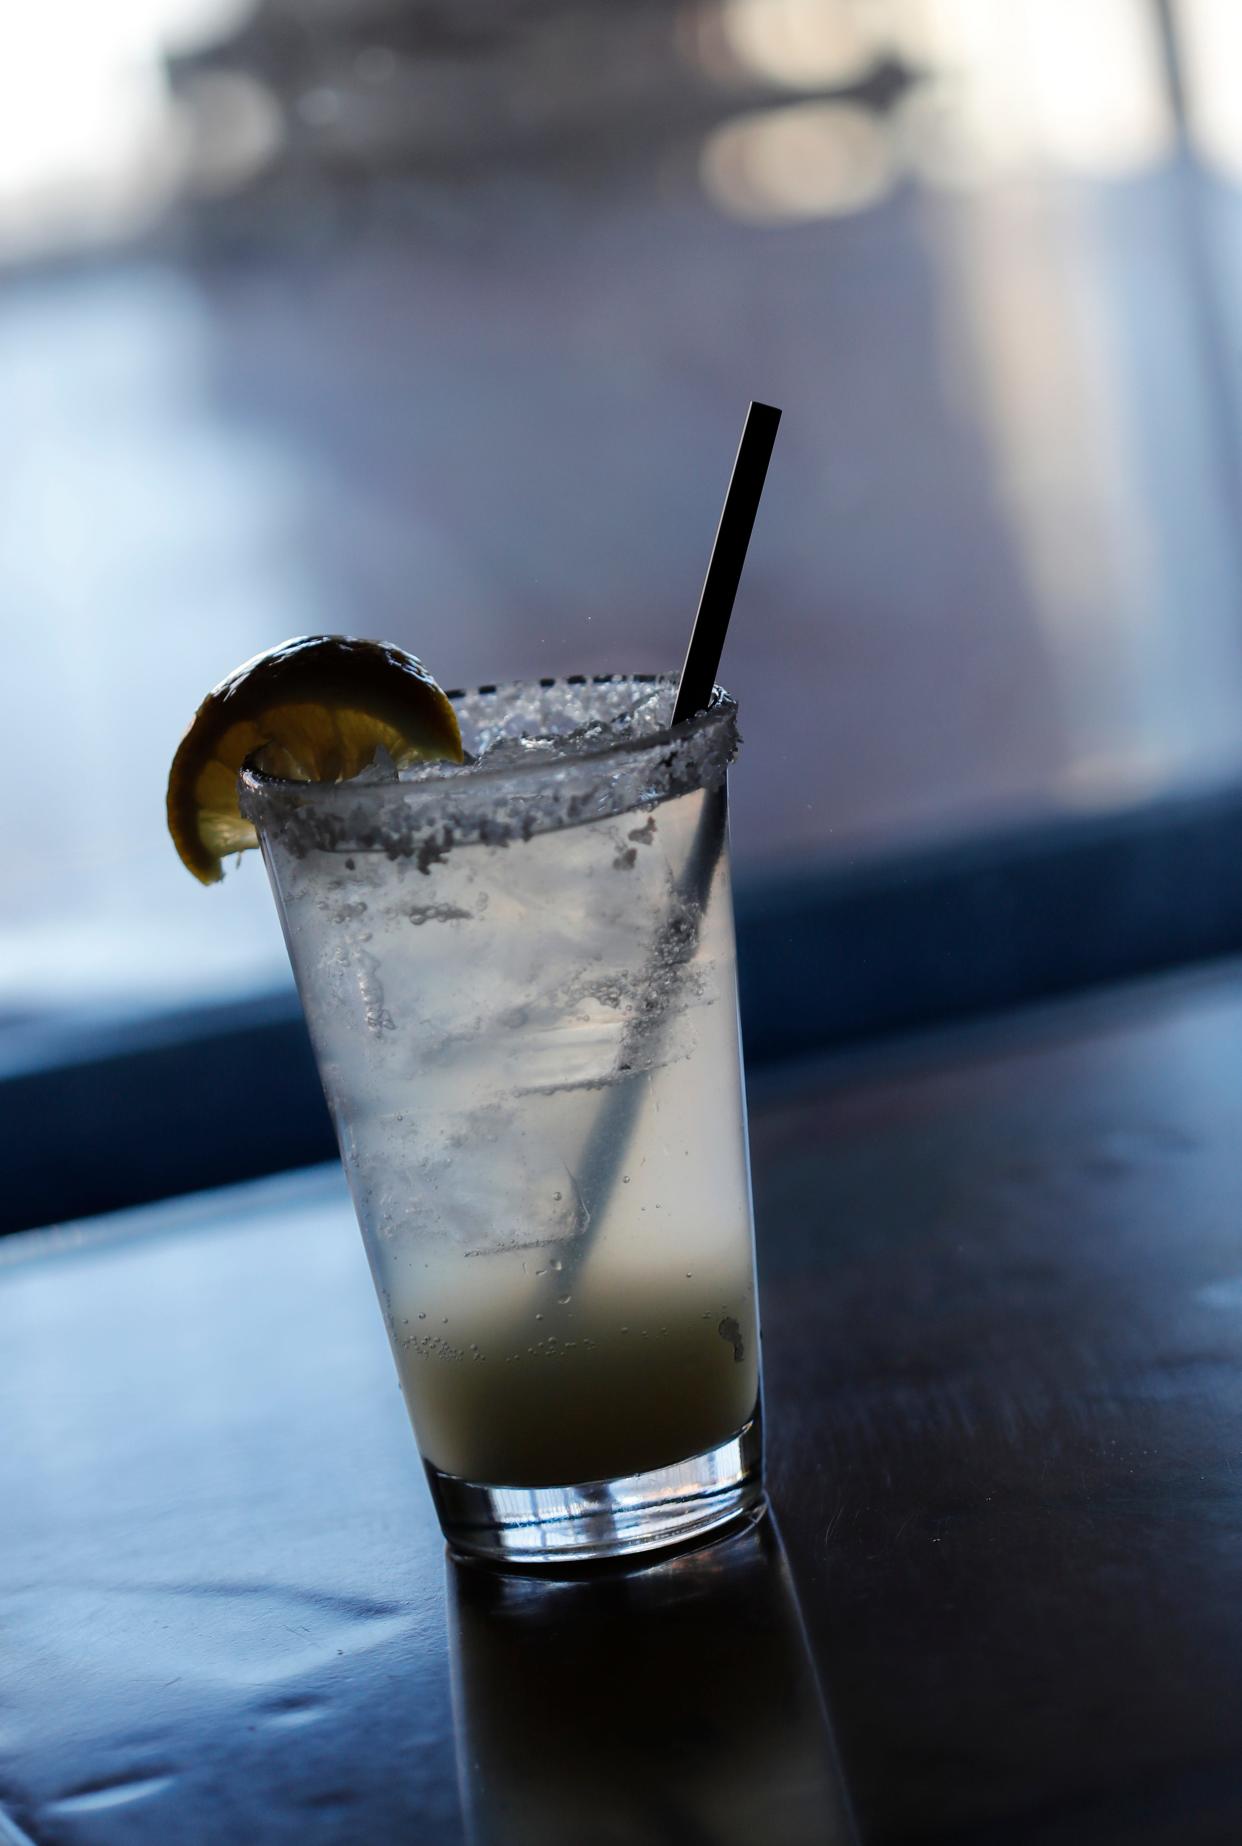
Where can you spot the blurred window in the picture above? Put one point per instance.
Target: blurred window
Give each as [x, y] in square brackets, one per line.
[438, 324]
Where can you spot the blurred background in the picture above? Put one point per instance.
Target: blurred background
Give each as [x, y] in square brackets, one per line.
[438, 323]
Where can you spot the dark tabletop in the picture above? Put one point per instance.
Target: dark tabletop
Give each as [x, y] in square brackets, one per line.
[1002, 1292]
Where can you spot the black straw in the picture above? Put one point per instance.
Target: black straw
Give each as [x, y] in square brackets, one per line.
[608, 1140]
[724, 572]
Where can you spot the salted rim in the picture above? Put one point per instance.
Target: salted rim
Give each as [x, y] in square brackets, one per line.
[591, 784]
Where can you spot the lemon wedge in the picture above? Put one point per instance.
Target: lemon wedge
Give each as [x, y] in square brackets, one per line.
[319, 708]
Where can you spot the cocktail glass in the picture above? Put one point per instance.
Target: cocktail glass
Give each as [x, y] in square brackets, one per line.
[519, 979]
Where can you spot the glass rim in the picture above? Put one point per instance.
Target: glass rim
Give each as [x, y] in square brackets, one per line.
[721, 711]
[613, 777]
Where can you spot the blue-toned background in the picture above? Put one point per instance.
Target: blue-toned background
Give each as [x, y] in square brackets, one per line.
[439, 323]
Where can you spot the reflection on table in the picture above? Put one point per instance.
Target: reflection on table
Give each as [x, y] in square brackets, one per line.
[678, 1703]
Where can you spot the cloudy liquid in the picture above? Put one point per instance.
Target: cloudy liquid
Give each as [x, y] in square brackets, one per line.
[531, 1056]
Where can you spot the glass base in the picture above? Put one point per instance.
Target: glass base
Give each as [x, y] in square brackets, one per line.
[675, 1506]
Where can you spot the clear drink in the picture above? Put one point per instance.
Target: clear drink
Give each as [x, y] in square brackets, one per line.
[519, 980]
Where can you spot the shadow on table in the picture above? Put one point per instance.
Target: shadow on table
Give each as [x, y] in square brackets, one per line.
[674, 1704]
